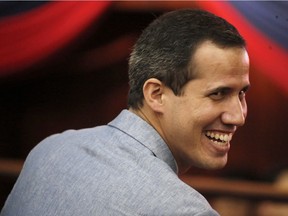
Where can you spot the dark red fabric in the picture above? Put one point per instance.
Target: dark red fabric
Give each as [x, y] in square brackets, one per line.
[32, 36]
[265, 54]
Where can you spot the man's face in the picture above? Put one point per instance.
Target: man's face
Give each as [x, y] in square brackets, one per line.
[199, 125]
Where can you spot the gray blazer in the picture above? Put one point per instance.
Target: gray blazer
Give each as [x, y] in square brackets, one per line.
[123, 168]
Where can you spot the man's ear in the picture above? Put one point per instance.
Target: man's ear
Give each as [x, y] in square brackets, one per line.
[152, 91]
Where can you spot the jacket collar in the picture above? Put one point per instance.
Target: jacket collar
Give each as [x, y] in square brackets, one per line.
[145, 134]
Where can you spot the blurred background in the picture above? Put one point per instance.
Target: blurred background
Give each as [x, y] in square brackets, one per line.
[63, 65]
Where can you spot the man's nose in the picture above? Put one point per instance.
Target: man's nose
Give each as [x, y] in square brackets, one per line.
[235, 112]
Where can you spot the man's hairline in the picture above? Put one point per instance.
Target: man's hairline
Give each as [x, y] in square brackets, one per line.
[189, 67]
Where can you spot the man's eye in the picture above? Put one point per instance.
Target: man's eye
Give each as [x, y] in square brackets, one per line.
[242, 95]
[217, 95]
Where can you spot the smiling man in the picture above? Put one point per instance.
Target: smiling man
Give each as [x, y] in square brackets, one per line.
[194, 70]
[188, 72]
[198, 124]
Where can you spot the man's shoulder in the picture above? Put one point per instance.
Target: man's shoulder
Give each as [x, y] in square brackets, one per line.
[165, 194]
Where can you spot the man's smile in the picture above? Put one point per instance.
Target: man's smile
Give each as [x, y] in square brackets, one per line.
[219, 138]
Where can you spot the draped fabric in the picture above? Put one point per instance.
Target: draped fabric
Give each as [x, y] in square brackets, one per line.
[33, 31]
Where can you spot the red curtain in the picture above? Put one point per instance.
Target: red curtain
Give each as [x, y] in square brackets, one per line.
[27, 38]
[32, 36]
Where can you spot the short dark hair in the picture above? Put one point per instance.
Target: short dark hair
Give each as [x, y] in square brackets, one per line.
[165, 48]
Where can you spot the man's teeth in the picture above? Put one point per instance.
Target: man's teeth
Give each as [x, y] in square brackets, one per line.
[219, 137]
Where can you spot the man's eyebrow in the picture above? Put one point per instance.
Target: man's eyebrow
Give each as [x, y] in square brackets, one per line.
[220, 88]
[227, 89]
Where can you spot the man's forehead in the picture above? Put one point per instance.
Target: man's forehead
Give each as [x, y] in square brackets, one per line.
[210, 59]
